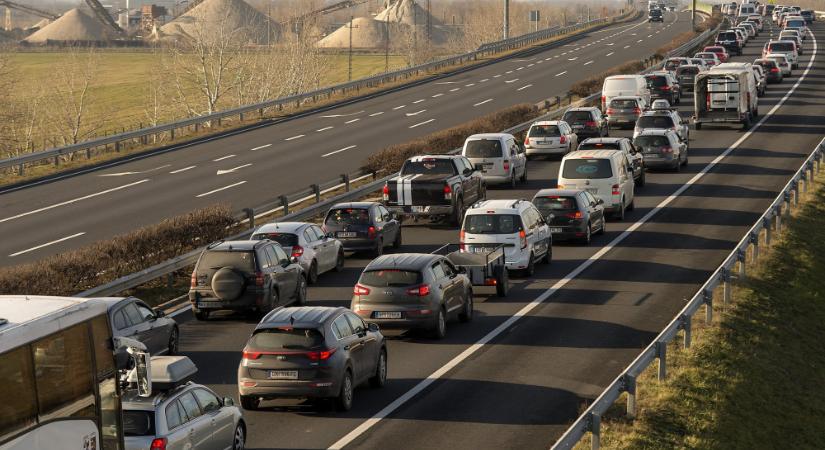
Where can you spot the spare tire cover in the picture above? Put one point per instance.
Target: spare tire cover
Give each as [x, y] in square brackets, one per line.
[227, 284]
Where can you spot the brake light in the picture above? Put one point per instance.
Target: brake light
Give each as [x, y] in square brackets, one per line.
[360, 289]
[386, 192]
[297, 251]
[506, 164]
[616, 190]
[523, 237]
[158, 444]
[461, 235]
[637, 111]
[665, 88]
[526, 141]
[604, 100]
[251, 355]
[448, 192]
[259, 279]
[563, 140]
[574, 215]
[422, 290]
[321, 355]
[609, 111]
[666, 149]
[707, 100]
[194, 281]
[371, 232]
[774, 69]
[590, 123]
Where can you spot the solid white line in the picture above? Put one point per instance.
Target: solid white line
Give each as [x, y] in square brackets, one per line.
[338, 151]
[258, 148]
[588, 62]
[224, 157]
[377, 114]
[220, 189]
[319, 130]
[511, 81]
[68, 202]
[560, 74]
[609, 53]
[422, 123]
[398, 107]
[294, 137]
[352, 121]
[485, 101]
[461, 357]
[183, 170]
[437, 95]
[419, 101]
[47, 244]
[524, 87]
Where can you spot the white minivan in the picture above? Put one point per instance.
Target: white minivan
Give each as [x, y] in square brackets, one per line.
[604, 173]
[498, 156]
[624, 85]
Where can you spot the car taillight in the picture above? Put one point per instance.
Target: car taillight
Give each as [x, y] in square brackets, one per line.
[637, 111]
[774, 69]
[523, 238]
[707, 100]
[158, 444]
[563, 140]
[251, 355]
[194, 280]
[448, 192]
[321, 355]
[666, 149]
[371, 232]
[506, 164]
[616, 189]
[386, 192]
[665, 88]
[360, 289]
[421, 290]
[297, 251]
[259, 279]
[574, 215]
[526, 140]
[461, 235]
[609, 111]
[590, 123]
[604, 100]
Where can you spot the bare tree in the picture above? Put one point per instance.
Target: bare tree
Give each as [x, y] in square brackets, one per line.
[73, 95]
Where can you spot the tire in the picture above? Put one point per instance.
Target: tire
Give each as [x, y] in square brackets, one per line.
[250, 403]
[685, 162]
[239, 437]
[396, 244]
[312, 275]
[440, 329]
[379, 248]
[523, 178]
[344, 400]
[502, 281]
[587, 235]
[620, 215]
[678, 167]
[200, 314]
[273, 300]
[458, 211]
[301, 292]
[548, 255]
[466, 315]
[513, 180]
[747, 123]
[632, 205]
[641, 181]
[379, 380]
[531, 267]
[339, 262]
[698, 126]
[603, 227]
[172, 348]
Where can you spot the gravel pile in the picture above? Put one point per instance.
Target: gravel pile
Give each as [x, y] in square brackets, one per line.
[233, 16]
[75, 25]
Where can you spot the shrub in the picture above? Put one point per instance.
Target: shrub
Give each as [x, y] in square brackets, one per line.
[101, 262]
[390, 159]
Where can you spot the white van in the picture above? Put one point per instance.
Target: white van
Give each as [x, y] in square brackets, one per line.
[746, 9]
[498, 156]
[604, 173]
[624, 85]
[726, 93]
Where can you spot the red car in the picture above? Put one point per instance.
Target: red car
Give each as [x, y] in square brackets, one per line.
[720, 52]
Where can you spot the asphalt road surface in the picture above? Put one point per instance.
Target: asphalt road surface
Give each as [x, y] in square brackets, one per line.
[254, 167]
[519, 373]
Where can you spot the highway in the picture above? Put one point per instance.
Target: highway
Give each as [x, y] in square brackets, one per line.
[519, 373]
[252, 168]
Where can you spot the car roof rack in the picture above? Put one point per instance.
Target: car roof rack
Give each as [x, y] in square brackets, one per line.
[215, 244]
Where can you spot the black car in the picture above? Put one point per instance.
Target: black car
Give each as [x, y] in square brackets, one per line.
[686, 75]
[771, 69]
[664, 85]
[311, 352]
[245, 276]
[655, 15]
[587, 122]
[730, 40]
[571, 213]
[363, 226]
[808, 15]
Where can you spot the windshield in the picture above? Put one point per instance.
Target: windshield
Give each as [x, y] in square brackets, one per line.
[483, 148]
[390, 278]
[655, 122]
[768, 64]
[727, 36]
[586, 169]
[648, 142]
[795, 23]
[544, 131]
[429, 167]
[348, 216]
[492, 224]
[239, 260]
[779, 60]
[275, 339]
[673, 63]
[138, 423]
[577, 116]
[687, 71]
[656, 81]
[285, 239]
[551, 204]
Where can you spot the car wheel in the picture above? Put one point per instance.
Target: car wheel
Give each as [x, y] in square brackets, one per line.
[301, 292]
[250, 403]
[502, 281]
[458, 211]
[172, 349]
[531, 266]
[396, 244]
[440, 329]
[513, 180]
[344, 400]
[200, 314]
[548, 255]
[587, 234]
[698, 126]
[379, 380]
[239, 439]
[678, 167]
[632, 205]
[685, 162]
[620, 215]
[379, 248]
[747, 122]
[523, 178]
[466, 314]
[603, 228]
[641, 181]
[312, 275]
[339, 261]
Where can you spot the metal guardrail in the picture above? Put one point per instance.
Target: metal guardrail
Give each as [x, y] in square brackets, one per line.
[143, 134]
[770, 222]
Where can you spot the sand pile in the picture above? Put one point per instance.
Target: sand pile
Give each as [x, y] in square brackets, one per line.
[232, 16]
[73, 26]
[366, 33]
[40, 25]
[410, 13]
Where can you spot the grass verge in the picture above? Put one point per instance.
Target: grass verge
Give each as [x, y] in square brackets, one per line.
[754, 379]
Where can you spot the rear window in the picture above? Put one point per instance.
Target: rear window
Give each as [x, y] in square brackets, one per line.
[672, 64]
[348, 216]
[483, 148]
[243, 261]
[781, 47]
[554, 203]
[795, 23]
[599, 146]
[646, 142]
[621, 84]
[727, 36]
[285, 239]
[779, 60]
[577, 116]
[655, 122]
[138, 423]
[687, 71]
[544, 131]
[287, 338]
[766, 63]
[656, 80]
[623, 104]
[429, 167]
[390, 278]
[586, 169]
[492, 224]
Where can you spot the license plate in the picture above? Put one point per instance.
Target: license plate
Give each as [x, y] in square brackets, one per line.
[555, 230]
[592, 190]
[388, 315]
[346, 234]
[418, 209]
[283, 374]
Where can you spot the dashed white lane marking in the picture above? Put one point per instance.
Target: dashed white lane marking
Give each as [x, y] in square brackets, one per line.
[415, 113]
[224, 157]
[225, 171]
[483, 102]
[520, 68]
[183, 170]
[509, 71]
[338, 151]
[484, 80]
[260, 147]
[497, 76]
[548, 58]
[120, 174]
[37, 247]
[573, 58]
[561, 73]
[626, 46]
[320, 130]
[294, 137]
[640, 40]
[332, 116]
[524, 87]
[531, 65]
[650, 35]
[418, 101]
[588, 62]
[469, 85]
[398, 107]
[377, 114]
[220, 189]
[612, 43]
[422, 123]
[352, 121]
[511, 81]
[437, 95]
[609, 53]
[458, 89]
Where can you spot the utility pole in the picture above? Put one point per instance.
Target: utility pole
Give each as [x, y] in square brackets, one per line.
[506, 19]
[387, 43]
[429, 23]
[349, 59]
[693, 15]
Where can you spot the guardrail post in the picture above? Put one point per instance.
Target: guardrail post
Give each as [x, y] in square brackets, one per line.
[685, 324]
[661, 354]
[170, 280]
[766, 224]
[707, 296]
[197, 126]
[250, 216]
[754, 239]
[787, 199]
[345, 180]
[284, 204]
[56, 161]
[595, 431]
[778, 213]
[20, 170]
[740, 256]
[630, 388]
[795, 193]
[317, 190]
[172, 133]
[117, 146]
[726, 286]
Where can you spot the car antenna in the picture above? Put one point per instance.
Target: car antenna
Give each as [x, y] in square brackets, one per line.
[291, 320]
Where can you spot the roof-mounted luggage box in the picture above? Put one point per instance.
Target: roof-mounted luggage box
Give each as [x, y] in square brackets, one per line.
[169, 372]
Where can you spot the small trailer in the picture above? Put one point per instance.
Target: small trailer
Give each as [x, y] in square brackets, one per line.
[485, 268]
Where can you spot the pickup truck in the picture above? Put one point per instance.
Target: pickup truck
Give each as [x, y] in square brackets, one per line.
[435, 186]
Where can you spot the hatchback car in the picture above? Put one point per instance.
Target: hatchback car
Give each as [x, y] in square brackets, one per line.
[316, 353]
[550, 137]
[672, 63]
[516, 224]
[315, 250]
[719, 51]
[413, 291]
[666, 119]
[625, 145]
[772, 71]
[710, 58]
[499, 157]
[662, 149]
[572, 214]
[686, 75]
[624, 111]
[782, 62]
[131, 317]
[664, 85]
[761, 79]
[363, 226]
[587, 122]
[245, 276]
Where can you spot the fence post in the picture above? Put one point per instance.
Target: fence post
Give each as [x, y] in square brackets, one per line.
[170, 280]
[172, 133]
[317, 190]
[117, 146]
[595, 430]
[250, 216]
[20, 170]
[56, 161]
[345, 180]
[754, 239]
[778, 213]
[795, 193]
[707, 296]
[766, 224]
[740, 256]
[726, 286]
[284, 204]
[686, 325]
[630, 388]
[661, 354]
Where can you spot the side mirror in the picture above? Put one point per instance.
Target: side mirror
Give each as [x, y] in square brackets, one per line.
[373, 327]
[227, 401]
[600, 202]
[479, 167]
[159, 313]
[468, 172]
[293, 260]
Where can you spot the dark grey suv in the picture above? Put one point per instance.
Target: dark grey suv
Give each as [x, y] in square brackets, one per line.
[311, 352]
[245, 275]
[413, 290]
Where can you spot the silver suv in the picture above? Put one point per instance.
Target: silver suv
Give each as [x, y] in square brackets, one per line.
[316, 251]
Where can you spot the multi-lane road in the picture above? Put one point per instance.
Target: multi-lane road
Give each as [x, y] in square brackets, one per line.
[519, 373]
[254, 167]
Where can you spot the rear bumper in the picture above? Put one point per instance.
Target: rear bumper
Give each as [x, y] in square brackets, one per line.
[432, 210]
[270, 389]
[248, 300]
[355, 244]
[622, 120]
[569, 232]
[660, 163]
[496, 179]
[518, 261]
[561, 149]
[418, 323]
[586, 133]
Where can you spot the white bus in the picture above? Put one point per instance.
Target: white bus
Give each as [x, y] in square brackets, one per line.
[59, 380]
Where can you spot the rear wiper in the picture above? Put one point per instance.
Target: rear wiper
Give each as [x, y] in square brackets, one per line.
[294, 347]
